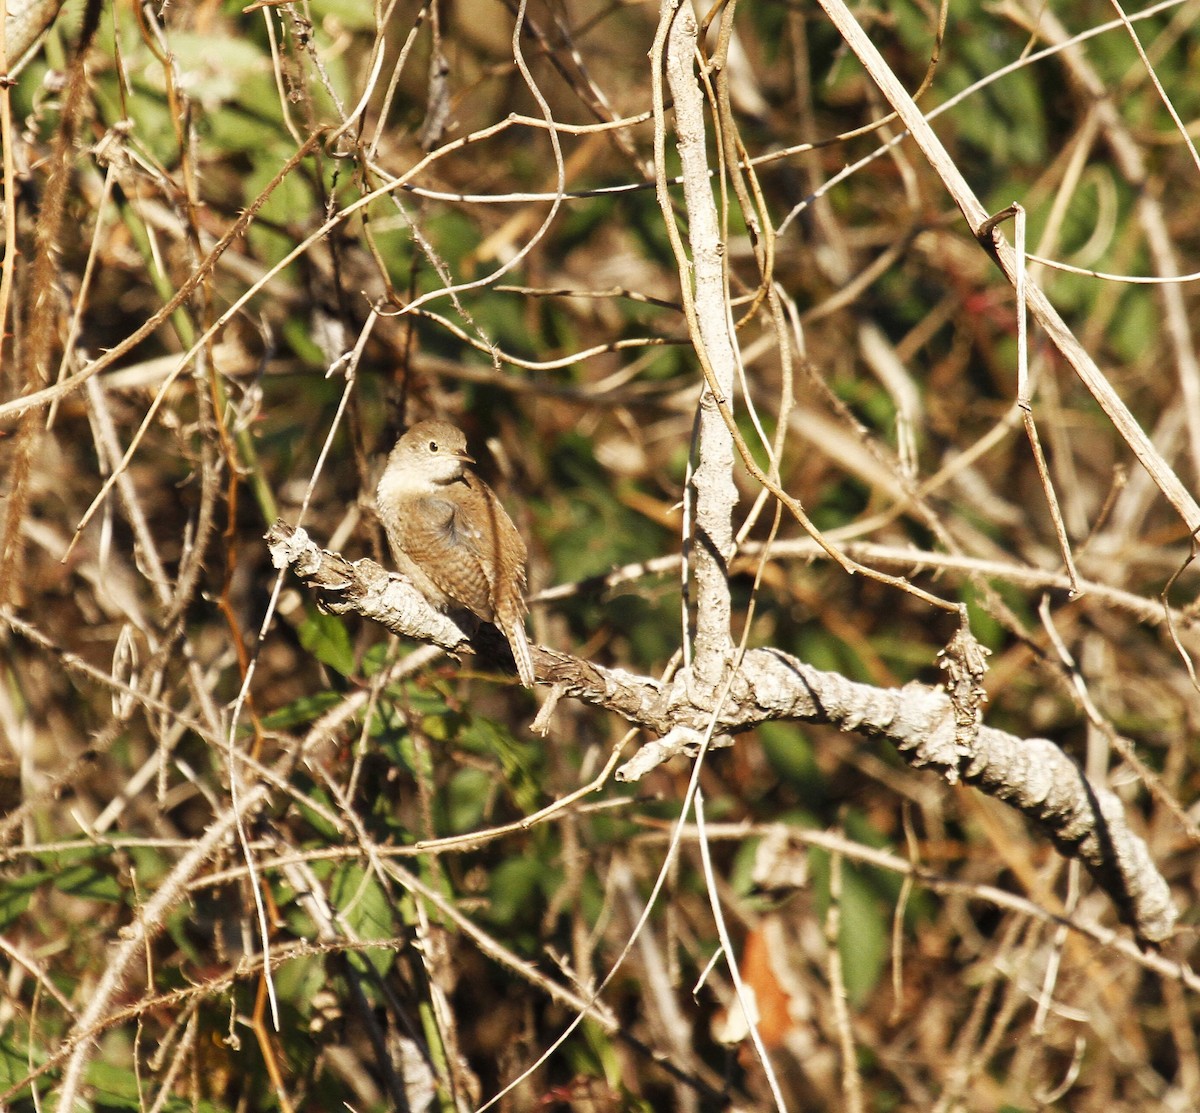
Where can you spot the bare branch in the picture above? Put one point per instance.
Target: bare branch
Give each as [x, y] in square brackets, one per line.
[1084, 820]
[990, 237]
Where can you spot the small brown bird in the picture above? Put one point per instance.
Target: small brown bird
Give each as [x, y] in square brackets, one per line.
[451, 537]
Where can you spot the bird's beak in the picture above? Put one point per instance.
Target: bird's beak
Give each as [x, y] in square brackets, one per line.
[465, 457]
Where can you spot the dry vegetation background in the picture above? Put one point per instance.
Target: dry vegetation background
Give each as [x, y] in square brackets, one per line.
[206, 327]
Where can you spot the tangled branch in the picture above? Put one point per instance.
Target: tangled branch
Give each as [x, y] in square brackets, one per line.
[1084, 820]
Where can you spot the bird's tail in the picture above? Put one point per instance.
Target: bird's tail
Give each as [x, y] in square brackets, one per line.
[519, 643]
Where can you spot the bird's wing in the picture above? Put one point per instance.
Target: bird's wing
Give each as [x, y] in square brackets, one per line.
[510, 557]
[442, 541]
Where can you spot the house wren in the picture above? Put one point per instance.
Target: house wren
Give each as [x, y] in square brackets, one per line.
[451, 537]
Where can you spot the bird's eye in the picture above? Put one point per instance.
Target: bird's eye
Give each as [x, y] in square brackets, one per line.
[433, 446]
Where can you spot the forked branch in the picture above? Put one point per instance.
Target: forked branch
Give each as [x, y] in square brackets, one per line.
[1084, 820]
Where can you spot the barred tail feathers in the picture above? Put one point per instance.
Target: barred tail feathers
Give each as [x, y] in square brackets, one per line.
[519, 644]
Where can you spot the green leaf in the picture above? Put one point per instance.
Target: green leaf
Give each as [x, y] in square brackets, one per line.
[363, 905]
[89, 883]
[520, 761]
[467, 798]
[116, 1086]
[14, 1065]
[790, 752]
[516, 888]
[15, 893]
[863, 938]
[300, 711]
[325, 637]
[323, 828]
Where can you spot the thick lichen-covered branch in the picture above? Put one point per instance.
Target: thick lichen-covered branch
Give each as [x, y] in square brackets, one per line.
[1084, 820]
